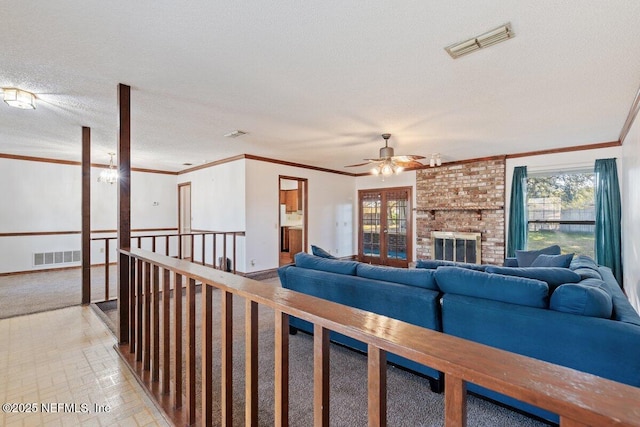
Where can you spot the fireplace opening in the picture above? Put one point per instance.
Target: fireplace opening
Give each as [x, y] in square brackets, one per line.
[458, 247]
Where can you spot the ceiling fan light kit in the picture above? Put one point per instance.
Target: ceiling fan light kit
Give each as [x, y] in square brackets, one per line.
[491, 37]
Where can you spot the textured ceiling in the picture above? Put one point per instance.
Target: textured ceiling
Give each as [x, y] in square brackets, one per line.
[315, 82]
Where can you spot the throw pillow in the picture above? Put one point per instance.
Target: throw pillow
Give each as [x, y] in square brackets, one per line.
[318, 251]
[305, 260]
[525, 258]
[552, 261]
[583, 300]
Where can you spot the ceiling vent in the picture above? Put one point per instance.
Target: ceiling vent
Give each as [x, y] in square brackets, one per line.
[236, 133]
[487, 39]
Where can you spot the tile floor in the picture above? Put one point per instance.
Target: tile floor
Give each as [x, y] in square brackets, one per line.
[61, 366]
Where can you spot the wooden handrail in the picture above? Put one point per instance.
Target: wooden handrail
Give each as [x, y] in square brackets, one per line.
[579, 398]
[202, 233]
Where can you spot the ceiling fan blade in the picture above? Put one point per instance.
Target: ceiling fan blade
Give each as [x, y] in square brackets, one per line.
[359, 164]
[410, 164]
[407, 158]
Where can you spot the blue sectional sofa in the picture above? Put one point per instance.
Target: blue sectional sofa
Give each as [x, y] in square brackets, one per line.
[576, 317]
[410, 295]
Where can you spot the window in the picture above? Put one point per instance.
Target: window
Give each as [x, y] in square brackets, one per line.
[560, 208]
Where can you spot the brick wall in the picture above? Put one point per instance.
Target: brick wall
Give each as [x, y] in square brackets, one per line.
[464, 197]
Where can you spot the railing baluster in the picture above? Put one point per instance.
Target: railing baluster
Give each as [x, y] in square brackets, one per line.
[320, 376]
[282, 369]
[203, 243]
[166, 340]
[234, 253]
[139, 238]
[166, 245]
[207, 355]
[177, 340]
[147, 317]
[377, 386]
[139, 309]
[251, 363]
[106, 269]
[224, 251]
[191, 351]
[227, 359]
[191, 254]
[180, 246]
[153, 243]
[132, 305]
[155, 365]
[215, 248]
[455, 402]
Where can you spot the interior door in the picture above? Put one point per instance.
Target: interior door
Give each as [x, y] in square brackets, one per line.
[184, 218]
[292, 214]
[385, 226]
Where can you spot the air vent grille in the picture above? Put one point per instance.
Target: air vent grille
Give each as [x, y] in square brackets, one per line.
[60, 257]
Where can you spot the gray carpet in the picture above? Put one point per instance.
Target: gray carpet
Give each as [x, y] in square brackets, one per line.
[410, 400]
[43, 291]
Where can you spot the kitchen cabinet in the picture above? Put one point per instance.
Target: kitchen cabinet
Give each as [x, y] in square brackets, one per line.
[295, 240]
[291, 201]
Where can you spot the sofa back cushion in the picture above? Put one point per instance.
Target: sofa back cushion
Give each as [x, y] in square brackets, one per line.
[582, 299]
[525, 258]
[544, 260]
[553, 276]
[511, 289]
[406, 276]
[432, 264]
[304, 260]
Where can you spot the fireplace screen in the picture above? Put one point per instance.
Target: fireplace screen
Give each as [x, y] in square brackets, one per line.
[459, 247]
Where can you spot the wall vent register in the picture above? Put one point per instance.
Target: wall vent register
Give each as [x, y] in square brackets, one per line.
[60, 257]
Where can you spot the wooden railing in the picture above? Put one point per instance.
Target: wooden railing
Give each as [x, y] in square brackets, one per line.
[184, 248]
[580, 399]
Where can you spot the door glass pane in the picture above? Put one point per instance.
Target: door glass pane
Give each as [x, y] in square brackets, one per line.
[396, 231]
[371, 224]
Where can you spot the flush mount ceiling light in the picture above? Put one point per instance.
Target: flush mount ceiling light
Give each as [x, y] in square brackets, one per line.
[236, 133]
[487, 39]
[19, 98]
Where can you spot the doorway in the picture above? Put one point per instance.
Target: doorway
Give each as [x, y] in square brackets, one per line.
[184, 219]
[292, 214]
[385, 232]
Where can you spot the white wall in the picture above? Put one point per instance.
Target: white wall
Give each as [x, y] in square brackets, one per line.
[631, 214]
[45, 197]
[218, 203]
[405, 179]
[331, 216]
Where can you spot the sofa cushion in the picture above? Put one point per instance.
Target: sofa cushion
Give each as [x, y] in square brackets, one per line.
[583, 261]
[544, 260]
[525, 258]
[414, 277]
[313, 262]
[582, 299]
[553, 276]
[511, 289]
[587, 273]
[318, 251]
[432, 264]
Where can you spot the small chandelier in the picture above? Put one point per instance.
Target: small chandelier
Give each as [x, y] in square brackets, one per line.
[110, 175]
[19, 98]
[387, 167]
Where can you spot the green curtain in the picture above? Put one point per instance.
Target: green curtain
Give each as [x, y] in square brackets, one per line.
[608, 241]
[517, 233]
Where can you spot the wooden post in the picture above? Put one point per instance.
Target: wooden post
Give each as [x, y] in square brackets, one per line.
[251, 362]
[207, 354]
[177, 333]
[455, 402]
[86, 215]
[320, 376]
[124, 208]
[191, 350]
[227, 359]
[282, 369]
[377, 368]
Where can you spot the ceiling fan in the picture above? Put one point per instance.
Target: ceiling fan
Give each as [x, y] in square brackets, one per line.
[389, 164]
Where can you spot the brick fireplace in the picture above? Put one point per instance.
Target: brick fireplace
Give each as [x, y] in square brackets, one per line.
[465, 197]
